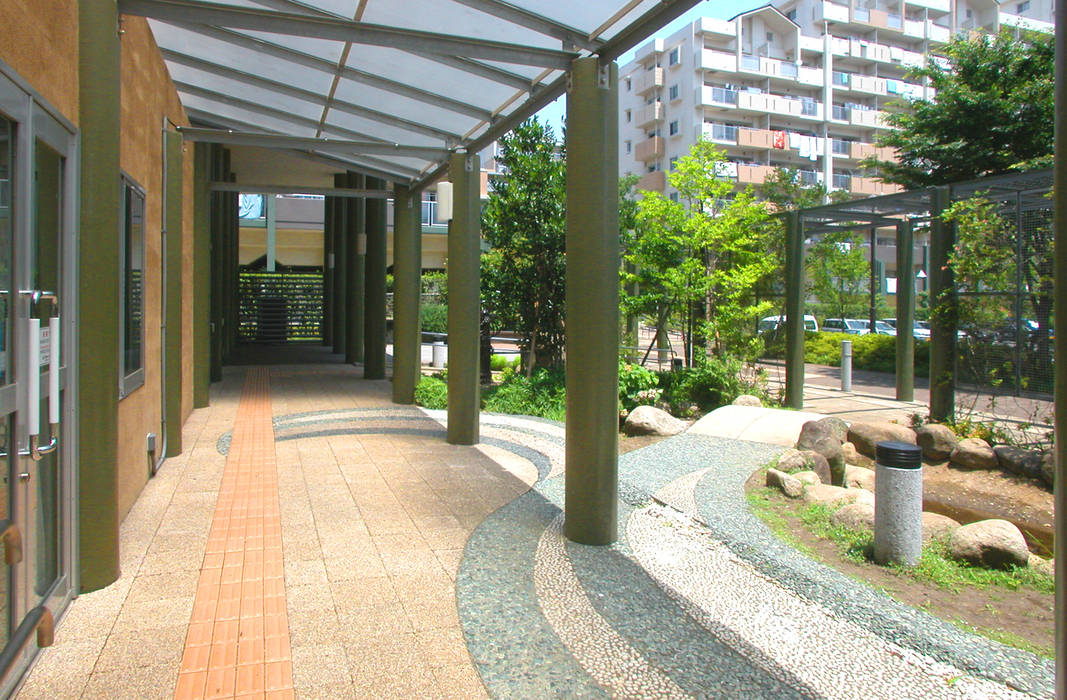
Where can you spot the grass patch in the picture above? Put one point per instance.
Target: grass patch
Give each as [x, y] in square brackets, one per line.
[1008, 638]
[763, 505]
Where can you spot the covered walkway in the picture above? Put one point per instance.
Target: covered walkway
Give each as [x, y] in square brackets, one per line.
[315, 540]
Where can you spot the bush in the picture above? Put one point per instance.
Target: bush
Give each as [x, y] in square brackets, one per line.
[498, 363]
[637, 386]
[715, 383]
[872, 352]
[434, 318]
[544, 394]
[432, 392]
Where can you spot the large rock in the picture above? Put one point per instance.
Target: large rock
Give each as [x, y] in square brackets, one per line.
[747, 400]
[937, 441]
[859, 478]
[834, 496]
[838, 427]
[815, 431]
[649, 420]
[830, 448]
[855, 516]
[974, 453]
[807, 477]
[989, 543]
[1042, 565]
[937, 526]
[786, 483]
[852, 456]
[866, 435]
[792, 461]
[1016, 460]
[1048, 468]
[818, 464]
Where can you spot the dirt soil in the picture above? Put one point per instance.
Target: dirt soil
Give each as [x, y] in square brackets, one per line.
[1024, 613]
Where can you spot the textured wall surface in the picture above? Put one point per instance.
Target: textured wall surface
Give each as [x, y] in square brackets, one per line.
[39, 41]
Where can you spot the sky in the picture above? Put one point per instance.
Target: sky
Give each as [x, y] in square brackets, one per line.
[720, 9]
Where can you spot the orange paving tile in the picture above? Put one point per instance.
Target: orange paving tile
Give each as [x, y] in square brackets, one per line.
[238, 640]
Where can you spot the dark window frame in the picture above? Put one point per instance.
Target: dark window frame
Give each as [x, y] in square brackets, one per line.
[132, 244]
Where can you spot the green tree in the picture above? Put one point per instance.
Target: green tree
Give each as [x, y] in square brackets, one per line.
[993, 113]
[839, 272]
[523, 274]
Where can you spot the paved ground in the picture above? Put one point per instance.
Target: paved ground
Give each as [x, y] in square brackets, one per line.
[412, 568]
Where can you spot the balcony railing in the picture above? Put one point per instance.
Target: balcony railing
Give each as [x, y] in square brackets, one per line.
[842, 181]
[723, 133]
[724, 96]
[840, 113]
[840, 147]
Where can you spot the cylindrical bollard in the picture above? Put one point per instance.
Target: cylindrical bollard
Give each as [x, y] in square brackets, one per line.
[439, 354]
[898, 503]
[846, 365]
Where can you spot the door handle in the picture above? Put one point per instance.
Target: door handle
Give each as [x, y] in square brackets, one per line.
[37, 451]
[12, 539]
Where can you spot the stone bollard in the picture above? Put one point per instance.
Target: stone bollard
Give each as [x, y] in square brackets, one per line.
[439, 354]
[898, 503]
[846, 365]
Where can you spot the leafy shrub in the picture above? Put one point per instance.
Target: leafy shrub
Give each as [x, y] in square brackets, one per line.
[543, 394]
[432, 392]
[436, 283]
[872, 352]
[498, 363]
[434, 318]
[637, 386]
[715, 383]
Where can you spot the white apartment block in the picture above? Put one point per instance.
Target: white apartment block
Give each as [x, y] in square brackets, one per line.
[801, 84]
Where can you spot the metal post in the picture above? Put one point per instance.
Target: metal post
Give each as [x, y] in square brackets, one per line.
[328, 262]
[374, 279]
[943, 316]
[354, 272]
[271, 219]
[794, 311]
[336, 209]
[872, 311]
[592, 328]
[201, 275]
[407, 264]
[905, 312]
[1060, 303]
[464, 302]
[846, 365]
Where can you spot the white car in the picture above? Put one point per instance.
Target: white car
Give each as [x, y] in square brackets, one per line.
[772, 323]
[921, 329]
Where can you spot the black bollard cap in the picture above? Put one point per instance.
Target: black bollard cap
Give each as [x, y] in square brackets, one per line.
[900, 455]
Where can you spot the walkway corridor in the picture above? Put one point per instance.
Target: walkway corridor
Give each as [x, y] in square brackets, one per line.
[317, 541]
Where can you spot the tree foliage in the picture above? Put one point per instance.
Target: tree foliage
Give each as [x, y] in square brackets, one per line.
[523, 274]
[839, 271]
[992, 113]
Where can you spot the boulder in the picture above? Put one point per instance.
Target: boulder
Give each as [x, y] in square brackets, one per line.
[747, 400]
[813, 432]
[649, 420]
[1016, 460]
[855, 516]
[852, 456]
[818, 464]
[1048, 468]
[974, 453]
[807, 477]
[830, 448]
[859, 478]
[1042, 565]
[989, 543]
[838, 427]
[833, 496]
[866, 435]
[792, 461]
[788, 484]
[937, 526]
[937, 441]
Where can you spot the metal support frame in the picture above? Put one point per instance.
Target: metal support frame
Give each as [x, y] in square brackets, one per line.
[354, 272]
[329, 261]
[534, 21]
[794, 311]
[407, 274]
[172, 232]
[218, 201]
[464, 300]
[338, 224]
[943, 312]
[374, 328]
[905, 311]
[346, 192]
[592, 328]
[324, 145]
[1060, 223]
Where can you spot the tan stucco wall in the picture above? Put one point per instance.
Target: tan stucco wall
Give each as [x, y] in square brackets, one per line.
[148, 96]
[39, 40]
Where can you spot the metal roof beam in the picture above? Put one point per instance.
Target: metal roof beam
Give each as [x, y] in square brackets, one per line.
[238, 138]
[299, 24]
[307, 95]
[248, 188]
[534, 21]
[320, 64]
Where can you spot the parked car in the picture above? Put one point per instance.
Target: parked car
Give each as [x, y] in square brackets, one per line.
[857, 326]
[773, 323]
[921, 329]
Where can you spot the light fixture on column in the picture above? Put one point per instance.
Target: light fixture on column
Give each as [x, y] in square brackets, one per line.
[444, 201]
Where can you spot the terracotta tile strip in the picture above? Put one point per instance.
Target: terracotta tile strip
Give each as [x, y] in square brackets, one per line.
[238, 639]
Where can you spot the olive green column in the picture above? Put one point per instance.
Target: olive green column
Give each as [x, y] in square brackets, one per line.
[335, 211]
[201, 274]
[943, 312]
[328, 263]
[407, 276]
[355, 285]
[794, 311]
[464, 299]
[592, 327]
[231, 226]
[1060, 310]
[98, 275]
[218, 263]
[173, 348]
[905, 312]
[374, 291]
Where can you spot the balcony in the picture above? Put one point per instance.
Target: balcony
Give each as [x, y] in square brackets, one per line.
[650, 149]
[648, 80]
[868, 84]
[655, 182]
[707, 95]
[649, 114]
[753, 174]
[872, 186]
[939, 5]
[717, 60]
[841, 181]
[755, 138]
[720, 133]
[832, 12]
[935, 32]
[859, 151]
[1010, 20]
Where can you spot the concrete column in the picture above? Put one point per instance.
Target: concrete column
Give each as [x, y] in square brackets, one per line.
[232, 227]
[407, 276]
[218, 202]
[374, 295]
[328, 262]
[98, 275]
[174, 187]
[270, 218]
[1060, 305]
[592, 450]
[201, 274]
[335, 212]
[905, 312]
[943, 313]
[794, 311]
[354, 270]
[464, 299]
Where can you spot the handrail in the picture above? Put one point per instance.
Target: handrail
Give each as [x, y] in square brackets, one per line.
[12, 539]
[39, 621]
